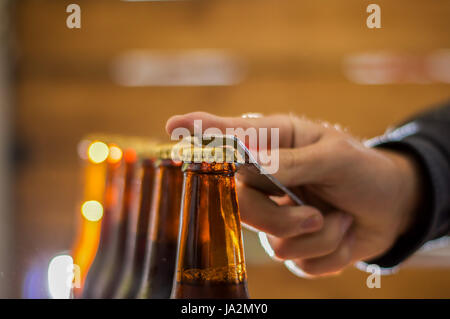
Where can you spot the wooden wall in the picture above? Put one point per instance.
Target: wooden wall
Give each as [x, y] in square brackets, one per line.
[293, 53]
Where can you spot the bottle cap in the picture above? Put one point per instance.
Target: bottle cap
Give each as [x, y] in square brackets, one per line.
[212, 149]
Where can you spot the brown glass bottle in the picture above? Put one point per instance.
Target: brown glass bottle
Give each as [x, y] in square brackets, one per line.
[164, 223]
[126, 227]
[130, 282]
[104, 284]
[210, 261]
[111, 204]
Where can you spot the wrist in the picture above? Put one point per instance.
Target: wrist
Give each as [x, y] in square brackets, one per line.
[410, 188]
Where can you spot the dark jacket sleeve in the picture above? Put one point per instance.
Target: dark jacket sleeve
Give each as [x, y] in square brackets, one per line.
[427, 139]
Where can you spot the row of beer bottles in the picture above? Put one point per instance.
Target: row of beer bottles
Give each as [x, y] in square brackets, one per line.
[169, 229]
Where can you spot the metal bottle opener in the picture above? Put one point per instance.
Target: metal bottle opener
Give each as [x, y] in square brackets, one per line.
[248, 169]
[253, 174]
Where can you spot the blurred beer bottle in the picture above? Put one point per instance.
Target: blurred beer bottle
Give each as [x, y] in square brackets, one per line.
[111, 199]
[126, 228]
[164, 224]
[210, 261]
[101, 279]
[101, 169]
[129, 284]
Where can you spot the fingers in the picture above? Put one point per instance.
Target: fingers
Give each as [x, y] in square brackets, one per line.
[317, 244]
[308, 152]
[305, 165]
[259, 212]
[317, 163]
[303, 156]
[330, 264]
[223, 123]
[313, 164]
[293, 131]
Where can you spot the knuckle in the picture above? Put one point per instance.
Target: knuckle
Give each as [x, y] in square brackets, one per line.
[292, 227]
[344, 257]
[290, 164]
[341, 142]
[290, 159]
[310, 268]
[302, 221]
[329, 243]
[281, 250]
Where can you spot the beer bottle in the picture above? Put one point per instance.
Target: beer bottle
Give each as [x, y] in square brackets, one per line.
[89, 225]
[130, 283]
[126, 227]
[210, 261]
[102, 281]
[164, 224]
[112, 194]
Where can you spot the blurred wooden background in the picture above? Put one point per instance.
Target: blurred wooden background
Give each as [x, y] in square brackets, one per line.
[293, 57]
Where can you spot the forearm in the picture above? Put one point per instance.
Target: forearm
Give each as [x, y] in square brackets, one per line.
[425, 142]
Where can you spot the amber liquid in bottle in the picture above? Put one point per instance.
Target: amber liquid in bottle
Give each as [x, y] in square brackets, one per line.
[130, 283]
[210, 261]
[104, 251]
[163, 234]
[104, 284]
[126, 229]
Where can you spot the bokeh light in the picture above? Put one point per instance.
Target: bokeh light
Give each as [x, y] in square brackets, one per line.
[92, 210]
[98, 152]
[60, 276]
[115, 154]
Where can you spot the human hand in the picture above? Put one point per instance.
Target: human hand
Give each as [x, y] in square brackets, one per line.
[360, 199]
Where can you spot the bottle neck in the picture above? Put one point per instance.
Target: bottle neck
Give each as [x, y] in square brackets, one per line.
[210, 244]
[146, 194]
[129, 191]
[110, 201]
[165, 210]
